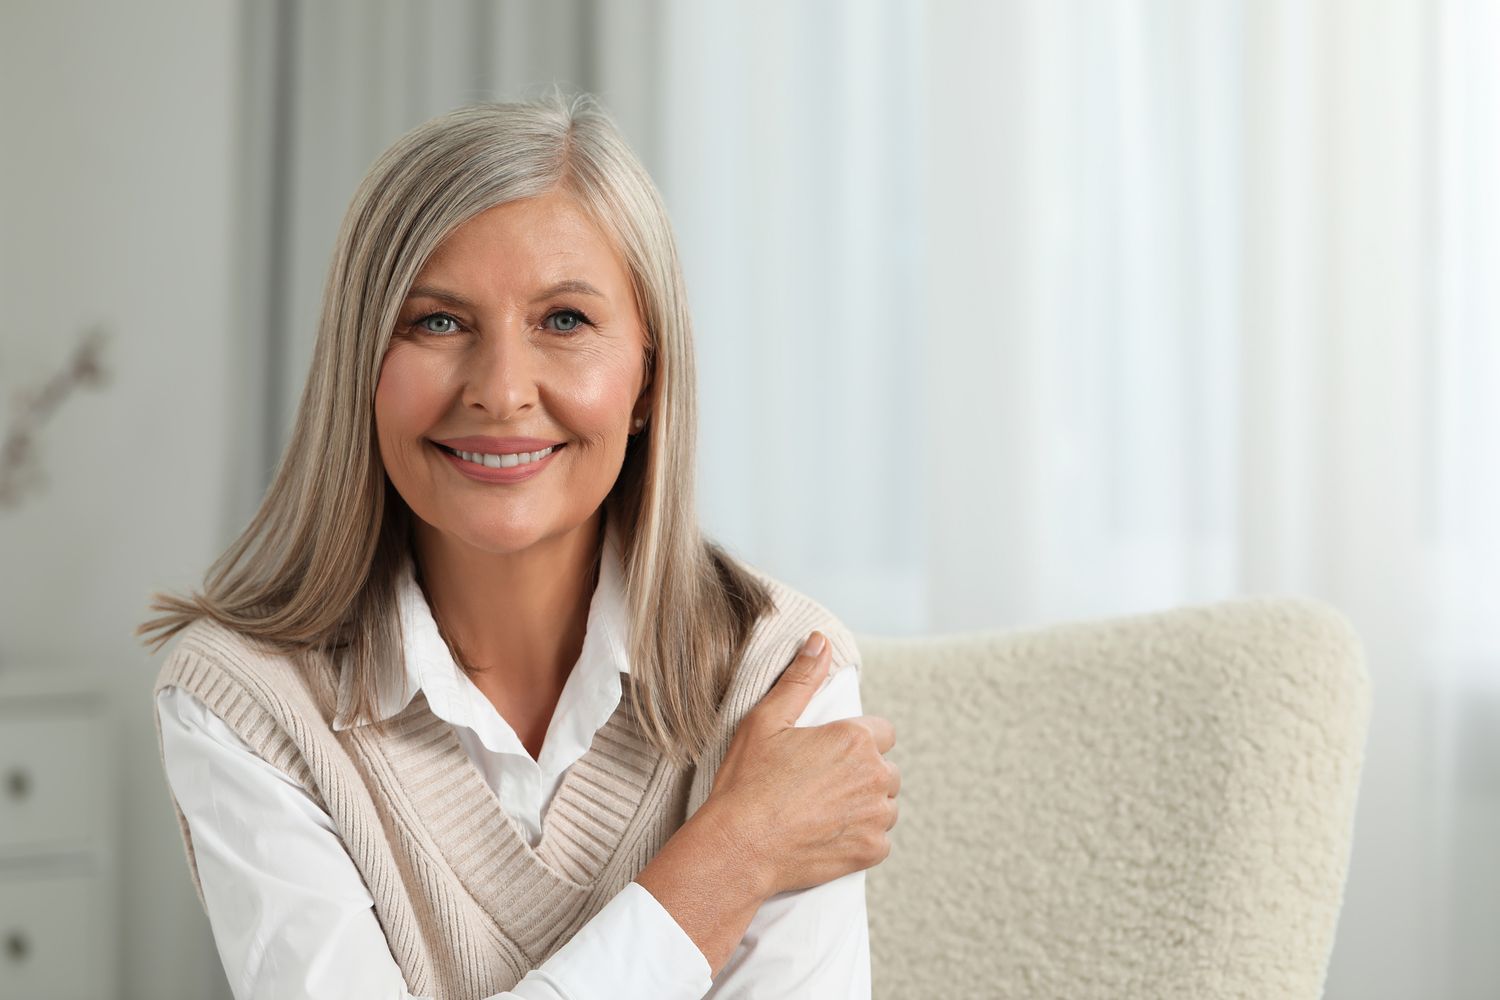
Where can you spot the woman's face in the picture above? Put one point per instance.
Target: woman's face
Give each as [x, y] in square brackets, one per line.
[522, 323]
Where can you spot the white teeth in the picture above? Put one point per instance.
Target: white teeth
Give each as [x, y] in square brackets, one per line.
[505, 461]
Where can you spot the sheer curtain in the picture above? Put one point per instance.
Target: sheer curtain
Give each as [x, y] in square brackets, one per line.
[1018, 312]
[1214, 313]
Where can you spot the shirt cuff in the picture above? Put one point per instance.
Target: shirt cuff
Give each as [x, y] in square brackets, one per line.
[632, 949]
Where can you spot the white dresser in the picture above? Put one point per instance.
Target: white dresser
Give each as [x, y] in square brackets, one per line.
[58, 829]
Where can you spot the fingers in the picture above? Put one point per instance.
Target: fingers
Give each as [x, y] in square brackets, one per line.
[893, 788]
[794, 689]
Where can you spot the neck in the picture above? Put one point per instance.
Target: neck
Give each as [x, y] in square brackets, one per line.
[515, 620]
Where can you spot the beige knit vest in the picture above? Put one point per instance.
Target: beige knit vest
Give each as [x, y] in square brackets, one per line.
[467, 905]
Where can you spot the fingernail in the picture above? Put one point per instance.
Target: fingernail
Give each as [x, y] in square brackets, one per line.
[814, 645]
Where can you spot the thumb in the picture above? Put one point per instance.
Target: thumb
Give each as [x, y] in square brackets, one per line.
[793, 690]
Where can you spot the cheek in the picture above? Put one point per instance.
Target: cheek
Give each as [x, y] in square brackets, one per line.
[602, 392]
[409, 398]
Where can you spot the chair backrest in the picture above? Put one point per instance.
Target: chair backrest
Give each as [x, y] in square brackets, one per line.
[1157, 806]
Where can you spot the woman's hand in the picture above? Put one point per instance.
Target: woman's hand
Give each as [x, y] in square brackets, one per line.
[804, 806]
[790, 808]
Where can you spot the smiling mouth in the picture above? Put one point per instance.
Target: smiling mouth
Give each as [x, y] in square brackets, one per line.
[501, 461]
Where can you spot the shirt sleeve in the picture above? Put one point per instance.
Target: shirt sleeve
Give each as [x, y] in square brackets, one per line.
[292, 917]
[813, 943]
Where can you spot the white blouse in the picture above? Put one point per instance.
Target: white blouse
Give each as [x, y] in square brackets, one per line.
[292, 917]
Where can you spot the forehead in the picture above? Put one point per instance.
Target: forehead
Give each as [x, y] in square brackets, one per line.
[532, 240]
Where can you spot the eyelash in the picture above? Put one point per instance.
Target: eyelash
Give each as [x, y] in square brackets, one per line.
[583, 320]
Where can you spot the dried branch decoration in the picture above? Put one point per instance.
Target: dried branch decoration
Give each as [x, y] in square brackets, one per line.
[18, 466]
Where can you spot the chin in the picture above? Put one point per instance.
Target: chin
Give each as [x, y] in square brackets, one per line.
[505, 541]
[506, 538]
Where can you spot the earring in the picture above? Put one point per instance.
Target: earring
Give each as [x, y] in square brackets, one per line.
[639, 422]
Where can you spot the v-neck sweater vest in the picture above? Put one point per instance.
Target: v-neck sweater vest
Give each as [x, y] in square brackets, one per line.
[467, 905]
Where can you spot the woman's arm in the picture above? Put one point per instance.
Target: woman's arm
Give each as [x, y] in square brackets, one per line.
[811, 942]
[806, 802]
[292, 917]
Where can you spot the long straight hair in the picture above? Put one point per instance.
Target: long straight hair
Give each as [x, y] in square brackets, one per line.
[315, 572]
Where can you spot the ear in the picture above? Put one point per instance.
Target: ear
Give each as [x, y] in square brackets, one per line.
[640, 414]
[642, 408]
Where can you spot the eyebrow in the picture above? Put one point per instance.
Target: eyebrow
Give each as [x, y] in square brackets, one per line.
[430, 292]
[576, 285]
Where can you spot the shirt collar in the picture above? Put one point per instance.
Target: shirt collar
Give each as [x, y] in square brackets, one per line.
[429, 666]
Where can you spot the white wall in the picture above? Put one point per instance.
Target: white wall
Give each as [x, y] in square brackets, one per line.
[117, 122]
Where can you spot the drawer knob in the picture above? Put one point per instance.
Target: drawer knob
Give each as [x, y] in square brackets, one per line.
[16, 946]
[17, 783]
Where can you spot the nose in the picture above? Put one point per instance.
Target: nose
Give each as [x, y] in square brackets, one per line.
[500, 375]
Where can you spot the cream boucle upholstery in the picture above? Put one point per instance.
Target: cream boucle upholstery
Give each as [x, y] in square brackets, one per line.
[1157, 806]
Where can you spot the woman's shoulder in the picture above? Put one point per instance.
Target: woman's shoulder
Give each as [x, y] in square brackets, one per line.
[774, 642]
[780, 633]
[208, 655]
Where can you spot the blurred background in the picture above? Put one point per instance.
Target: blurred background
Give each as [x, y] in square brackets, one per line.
[1007, 314]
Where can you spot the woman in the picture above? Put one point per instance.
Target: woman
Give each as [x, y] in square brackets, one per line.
[471, 706]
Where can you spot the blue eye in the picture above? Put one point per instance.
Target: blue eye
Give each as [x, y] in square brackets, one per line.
[571, 320]
[444, 317]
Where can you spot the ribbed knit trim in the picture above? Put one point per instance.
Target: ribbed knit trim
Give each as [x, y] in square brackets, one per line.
[535, 893]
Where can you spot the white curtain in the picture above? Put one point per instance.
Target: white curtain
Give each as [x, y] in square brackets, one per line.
[1212, 311]
[1027, 311]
